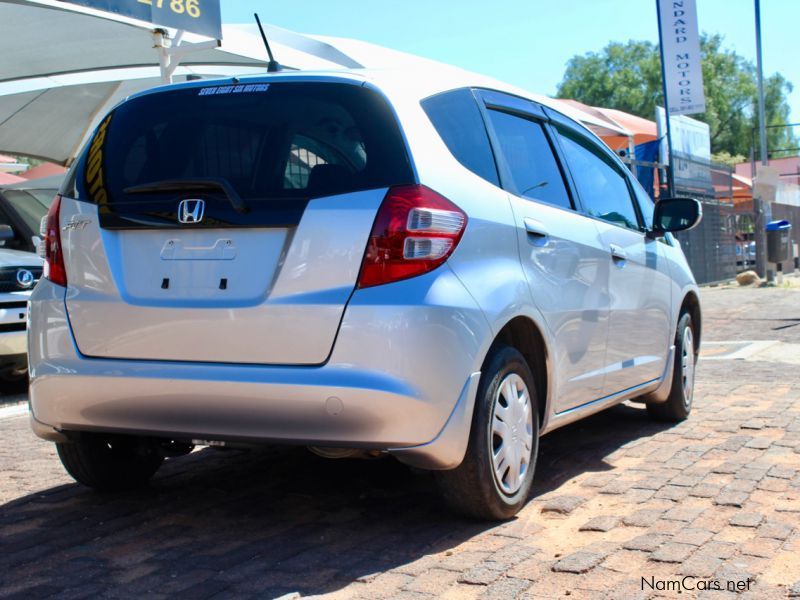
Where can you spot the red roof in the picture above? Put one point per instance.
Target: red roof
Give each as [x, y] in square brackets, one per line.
[43, 170]
[8, 179]
[788, 168]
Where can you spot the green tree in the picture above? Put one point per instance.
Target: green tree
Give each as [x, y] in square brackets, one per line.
[627, 76]
[726, 158]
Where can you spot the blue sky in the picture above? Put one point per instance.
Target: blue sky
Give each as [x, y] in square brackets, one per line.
[527, 42]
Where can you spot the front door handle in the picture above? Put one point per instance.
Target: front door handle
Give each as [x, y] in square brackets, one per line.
[617, 253]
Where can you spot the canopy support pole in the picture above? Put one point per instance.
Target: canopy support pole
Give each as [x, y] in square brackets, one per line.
[632, 154]
[170, 52]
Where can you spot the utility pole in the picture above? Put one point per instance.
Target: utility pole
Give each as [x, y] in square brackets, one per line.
[759, 205]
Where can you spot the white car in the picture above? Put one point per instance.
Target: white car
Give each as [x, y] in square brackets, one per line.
[19, 272]
[367, 262]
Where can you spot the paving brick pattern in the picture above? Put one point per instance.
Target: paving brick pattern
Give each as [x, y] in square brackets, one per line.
[618, 498]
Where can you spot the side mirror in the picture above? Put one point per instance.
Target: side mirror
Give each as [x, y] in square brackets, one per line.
[6, 234]
[676, 214]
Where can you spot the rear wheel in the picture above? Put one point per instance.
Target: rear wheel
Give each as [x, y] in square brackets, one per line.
[495, 477]
[109, 462]
[679, 402]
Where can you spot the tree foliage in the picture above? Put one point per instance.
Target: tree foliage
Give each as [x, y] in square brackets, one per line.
[726, 158]
[627, 76]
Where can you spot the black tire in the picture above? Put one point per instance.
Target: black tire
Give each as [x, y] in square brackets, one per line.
[679, 402]
[472, 488]
[109, 463]
[14, 377]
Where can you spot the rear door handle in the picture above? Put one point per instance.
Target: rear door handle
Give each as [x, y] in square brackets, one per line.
[534, 227]
[617, 253]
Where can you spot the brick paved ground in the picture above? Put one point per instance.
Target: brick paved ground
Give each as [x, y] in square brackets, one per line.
[617, 498]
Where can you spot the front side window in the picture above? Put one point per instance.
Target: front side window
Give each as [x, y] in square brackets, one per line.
[530, 159]
[646, 205]
[602, 188]
[458, 121]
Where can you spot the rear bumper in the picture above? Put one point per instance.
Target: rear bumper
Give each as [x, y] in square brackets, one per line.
[402, 377]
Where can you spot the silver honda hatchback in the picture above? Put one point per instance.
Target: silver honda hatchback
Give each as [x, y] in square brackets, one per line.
[439, 267]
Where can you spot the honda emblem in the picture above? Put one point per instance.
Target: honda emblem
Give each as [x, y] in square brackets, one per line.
[191, 210]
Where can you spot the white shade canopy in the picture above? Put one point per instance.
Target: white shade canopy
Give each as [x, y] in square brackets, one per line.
[53, 122]
[64, 66]
[42, 38]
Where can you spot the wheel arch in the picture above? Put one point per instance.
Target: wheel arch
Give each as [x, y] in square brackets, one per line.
[691, 304]
[524, 334]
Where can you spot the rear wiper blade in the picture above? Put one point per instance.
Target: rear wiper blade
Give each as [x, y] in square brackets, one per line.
[186, 185]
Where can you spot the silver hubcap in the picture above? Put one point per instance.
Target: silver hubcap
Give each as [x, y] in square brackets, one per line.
[511, 438]
[687, 365]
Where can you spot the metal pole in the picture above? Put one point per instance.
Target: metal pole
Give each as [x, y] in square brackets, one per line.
[670, 171]
[159, 41]
[762, 119]
[759, 205]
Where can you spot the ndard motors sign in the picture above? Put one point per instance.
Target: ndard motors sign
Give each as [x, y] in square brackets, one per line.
[680, 53]
[197, 16]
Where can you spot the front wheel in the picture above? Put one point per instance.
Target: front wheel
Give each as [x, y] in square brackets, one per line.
[495, 477]
[109, 463]
[679, 402]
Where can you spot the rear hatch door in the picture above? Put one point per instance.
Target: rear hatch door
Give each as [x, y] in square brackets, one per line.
[226, 223]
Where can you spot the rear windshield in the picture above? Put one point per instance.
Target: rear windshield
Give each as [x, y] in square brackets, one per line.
[267, 141]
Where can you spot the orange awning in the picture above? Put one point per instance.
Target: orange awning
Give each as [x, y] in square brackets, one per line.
[636, 128]
[642, 130]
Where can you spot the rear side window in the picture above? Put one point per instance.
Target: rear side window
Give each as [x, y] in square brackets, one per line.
[527, 151]
[273, 143]
[602, 188]
[458, 121]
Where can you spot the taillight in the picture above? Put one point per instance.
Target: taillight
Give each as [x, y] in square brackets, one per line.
[53, 253]
[416, 230]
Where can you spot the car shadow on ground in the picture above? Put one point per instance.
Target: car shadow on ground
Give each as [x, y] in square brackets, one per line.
[13, 391]
[268, 521]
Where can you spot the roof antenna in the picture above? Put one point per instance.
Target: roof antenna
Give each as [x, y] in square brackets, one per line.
[272, 65]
